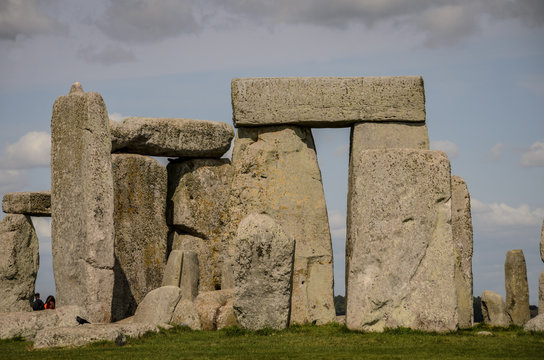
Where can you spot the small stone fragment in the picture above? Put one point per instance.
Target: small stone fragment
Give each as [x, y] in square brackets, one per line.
[484, 333]
[171, 137]
[517, 288]
[158, 306]
[494, 309]
[19, 261]
[28, 203]
[208, 305]
[263, 265]
[535, 324]
[226, 316]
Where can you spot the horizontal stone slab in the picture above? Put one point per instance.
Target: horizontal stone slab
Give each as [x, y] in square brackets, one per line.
[28, 203]
[171, 137]
[327, 101]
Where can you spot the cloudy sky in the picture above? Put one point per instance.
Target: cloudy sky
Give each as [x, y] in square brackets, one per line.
[482, 62]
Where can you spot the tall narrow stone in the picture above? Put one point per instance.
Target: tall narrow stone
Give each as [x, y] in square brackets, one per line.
[172, 271]
[276, 173]
[399, 252]
[517, 288]
[461, 223]
[19, 260]
[197, 205]
[82, 203]
[542, 242]
[206, 274]
[263, 270]
[494, 309]
[189, 276]
[541, 293]
[141, 232]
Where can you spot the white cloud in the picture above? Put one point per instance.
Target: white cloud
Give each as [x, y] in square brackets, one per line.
[109, 55]
[534, 157]
[25, 18]
[494, 214]
[42, 226]
[450, 148]
[12, 180]
[495, 151]
[31, 150]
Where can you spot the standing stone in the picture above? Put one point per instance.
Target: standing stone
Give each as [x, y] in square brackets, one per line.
[494, 309]
[172, 271]
[542, 242]
[189, 276]
[186, 314]
[197, 205]
[327, 101]
[211, 304]
[19, 261]
[141, 232]
[36, 203]
[263, 273]
[207, 281]
[541, 293]
[276, 173]
[82, 203]
[171, 137]
[517, 288]
[400, 253]
[372, 135]
[461, 223]
[158, 306]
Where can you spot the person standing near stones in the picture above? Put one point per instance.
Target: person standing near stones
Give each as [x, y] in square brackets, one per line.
[38, 303]
[50, 302]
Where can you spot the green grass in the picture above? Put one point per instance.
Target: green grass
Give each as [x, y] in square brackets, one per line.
[301, 342]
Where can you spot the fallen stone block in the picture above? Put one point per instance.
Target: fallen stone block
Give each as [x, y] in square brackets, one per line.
[186, 314]
[535, 324]
[82, 203]
[326, 101]
[494, 309]
[28, 203]
[263, 273]
[19, 260]
[226, 316]
[141, 233]
[208, 305]
[399, 250]
[158, 306]
[75, 336]
[461, 223]
[275, 172]
[27, 324]
[171, 137]
[517, 288]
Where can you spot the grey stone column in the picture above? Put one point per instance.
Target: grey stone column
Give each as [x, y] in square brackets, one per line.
[517, 288]
[82, 203]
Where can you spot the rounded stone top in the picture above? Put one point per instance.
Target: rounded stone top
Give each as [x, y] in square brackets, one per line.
[76, 88]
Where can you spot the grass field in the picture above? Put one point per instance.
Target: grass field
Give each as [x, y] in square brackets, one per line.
[301, 342]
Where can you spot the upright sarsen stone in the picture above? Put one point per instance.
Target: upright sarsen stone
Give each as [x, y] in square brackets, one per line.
[494, 309]
[541, 293]
[263, 266]
[82, 203]
[141, 232]
[461, 223]
[517, 288]
[275, 172]
[19, 260]
[542, 242]
[399, 251]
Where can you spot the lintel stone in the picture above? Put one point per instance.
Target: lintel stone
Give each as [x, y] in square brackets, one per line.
[28, 203]
[327, 101]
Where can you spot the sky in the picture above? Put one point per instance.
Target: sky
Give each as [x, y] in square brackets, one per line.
[482, 62]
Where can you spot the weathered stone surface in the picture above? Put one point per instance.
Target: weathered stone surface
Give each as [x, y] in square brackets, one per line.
[542, 242]
[326, 101]
[208, 305]
[186, 314]
[208, 278]
[19, 261]
[373, 135]
[171, 137]
[399, 251]
[141, 233]
[226, 316]
[263, 265]
[535, 324]
[172, 271]
[276, 173]
[494, 309]
[82, 203]
[461, 223]
[27, 324]
[74, 336]
[541, 293]
[227, 274]
[517, 288]
[189, 276]
[158, 306]
[29, 203]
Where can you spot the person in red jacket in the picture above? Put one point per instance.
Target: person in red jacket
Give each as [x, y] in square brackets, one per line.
[50, 302]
